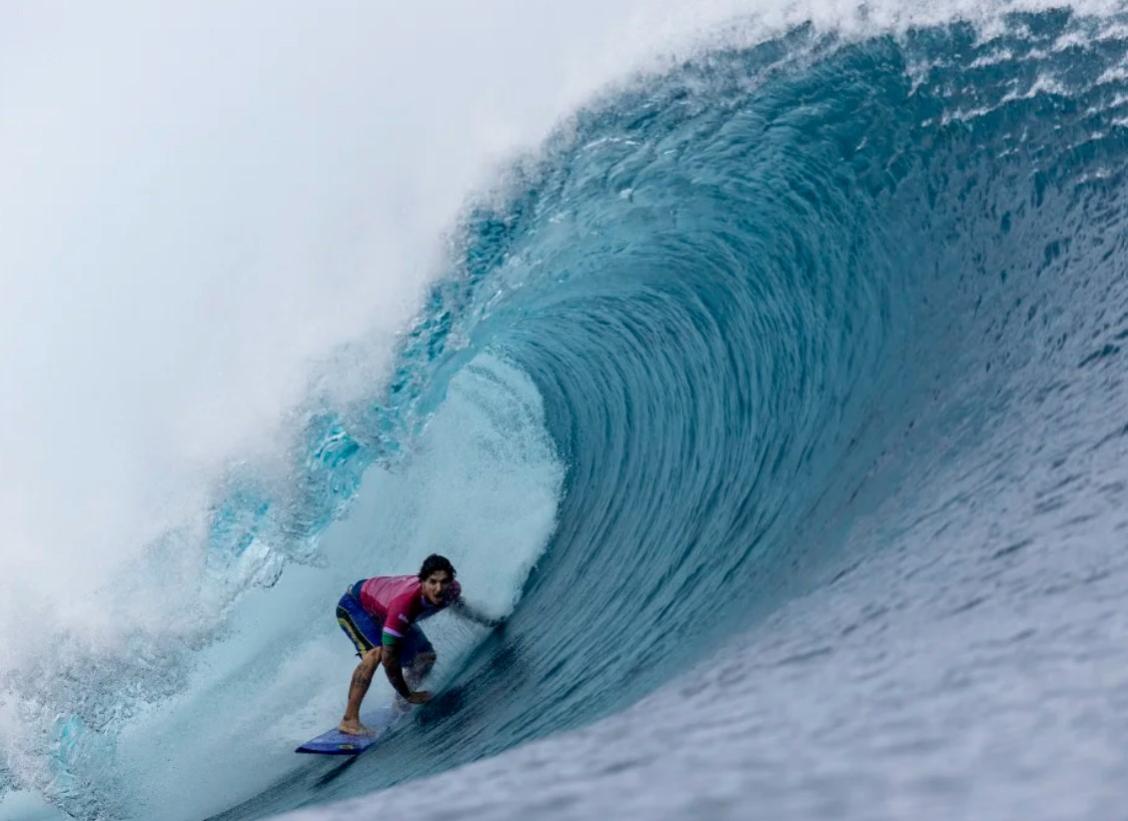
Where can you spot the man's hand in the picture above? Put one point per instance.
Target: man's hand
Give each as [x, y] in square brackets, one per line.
[419, 697]
[475, 615]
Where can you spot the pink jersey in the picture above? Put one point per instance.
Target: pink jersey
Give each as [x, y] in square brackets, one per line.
[397, 602]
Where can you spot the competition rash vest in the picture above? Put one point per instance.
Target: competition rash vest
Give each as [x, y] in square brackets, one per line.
[398, 602]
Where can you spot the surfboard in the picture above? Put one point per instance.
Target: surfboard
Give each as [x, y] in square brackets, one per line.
[335, 742]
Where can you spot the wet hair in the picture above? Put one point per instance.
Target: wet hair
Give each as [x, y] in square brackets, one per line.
[436, 562]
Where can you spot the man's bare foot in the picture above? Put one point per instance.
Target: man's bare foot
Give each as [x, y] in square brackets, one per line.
[353, 727]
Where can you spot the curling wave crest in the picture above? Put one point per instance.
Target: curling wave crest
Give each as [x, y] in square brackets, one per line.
[780, 399]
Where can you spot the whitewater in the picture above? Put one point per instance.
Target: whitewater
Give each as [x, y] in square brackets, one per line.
[763, 365]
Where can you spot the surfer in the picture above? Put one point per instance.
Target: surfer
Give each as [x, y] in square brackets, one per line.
[379, 615]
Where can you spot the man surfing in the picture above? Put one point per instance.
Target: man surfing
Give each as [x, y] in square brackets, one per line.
[379, 615]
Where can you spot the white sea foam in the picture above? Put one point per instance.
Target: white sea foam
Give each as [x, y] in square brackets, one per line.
[481, 488]
[201, 207]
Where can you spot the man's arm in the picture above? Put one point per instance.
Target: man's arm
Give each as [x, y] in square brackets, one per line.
[466, 611]
[391, 657]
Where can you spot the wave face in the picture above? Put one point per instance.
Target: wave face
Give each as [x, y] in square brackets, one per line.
[827, 337]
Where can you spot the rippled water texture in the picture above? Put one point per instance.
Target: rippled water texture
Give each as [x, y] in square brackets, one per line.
[830, 336]
[827, 337]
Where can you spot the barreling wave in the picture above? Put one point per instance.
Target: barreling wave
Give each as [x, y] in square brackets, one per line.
[758, 297]
[759, 294]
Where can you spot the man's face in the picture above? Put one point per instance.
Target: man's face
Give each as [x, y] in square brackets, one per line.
[435, 586]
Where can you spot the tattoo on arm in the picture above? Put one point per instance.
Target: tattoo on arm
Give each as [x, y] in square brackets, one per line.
[394, 671]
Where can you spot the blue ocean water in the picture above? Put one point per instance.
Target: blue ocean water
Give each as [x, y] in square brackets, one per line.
[810, 354]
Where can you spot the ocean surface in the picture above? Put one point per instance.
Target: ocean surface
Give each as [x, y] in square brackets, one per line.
[778, 398]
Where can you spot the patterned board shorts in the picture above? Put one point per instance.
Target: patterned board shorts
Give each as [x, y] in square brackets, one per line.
[364, 631]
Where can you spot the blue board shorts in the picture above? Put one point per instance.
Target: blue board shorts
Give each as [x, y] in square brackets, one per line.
[365, 633]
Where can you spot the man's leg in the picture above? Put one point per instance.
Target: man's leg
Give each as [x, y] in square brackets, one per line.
[358, 687]
[418, 656]
[364, 633]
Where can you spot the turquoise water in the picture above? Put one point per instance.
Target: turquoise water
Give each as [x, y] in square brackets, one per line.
[826, 329]
[809, 357]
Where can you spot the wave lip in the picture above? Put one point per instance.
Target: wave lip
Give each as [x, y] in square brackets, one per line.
[807, 354]
[826, 331]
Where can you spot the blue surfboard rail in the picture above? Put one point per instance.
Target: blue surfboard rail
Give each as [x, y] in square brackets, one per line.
[334, 742]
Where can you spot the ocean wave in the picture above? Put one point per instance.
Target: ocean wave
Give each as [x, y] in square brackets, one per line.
[818, 342]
